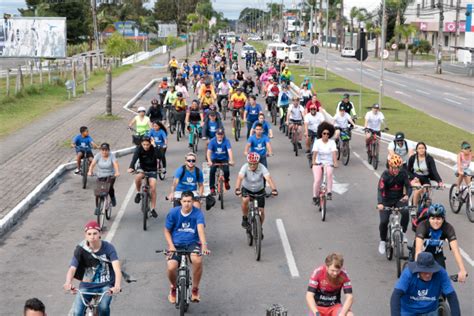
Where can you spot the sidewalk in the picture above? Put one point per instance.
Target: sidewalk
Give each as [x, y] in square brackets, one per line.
[29, 155]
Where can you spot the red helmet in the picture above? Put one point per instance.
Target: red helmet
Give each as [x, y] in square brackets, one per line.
[253, 158]
[313, 106]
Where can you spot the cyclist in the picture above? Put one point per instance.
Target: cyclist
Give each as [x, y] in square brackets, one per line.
[173, 66]
[223, 91]
[392, 192]
[181, 78]
[212, 123]
[179, 111]
[305, 95]
[418, 290]
[217, 77]
[251, 112]
[170, 97]
[206, 101]
[341, 121]
[155, 112]
[163, 89]
[159, 140]
[324, 154]
[184, 230]
[180, 87]
[239, 74]
[463, 162]
[400, 147]
[207, 86]
[219, 150]
[312, 119]
[324, 289]
[222, 67]
[235, 67]
[96, 264]
[147, 156]
[422, 169]
[196, 71]
[248, 85]
[185, 68]
[237, 103]
[107, 166]
[248, 60]
[187, 177]
[314, 101]
[273, 93]
[86, 143]
[267, 128]
[141, 123]
[259, 144]
[430, 237]
[373, 122]
[34, 307]
[235, 56]
[251, 180]
[285, 76]
[194, 120]
[306, 82]
[284, 100]
[294, 118]
[348, 105]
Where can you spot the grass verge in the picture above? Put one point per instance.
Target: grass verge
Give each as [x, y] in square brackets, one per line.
[416, 125]
[259, 46]
[35, 101]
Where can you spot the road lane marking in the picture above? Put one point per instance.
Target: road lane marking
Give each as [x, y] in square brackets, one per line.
[466, 257]
[397, 83]
[452, 101]
[455, 96]
[400, 92]
[422, 91]
[349, 69]
[115, 225]
[290, 259]
[337, 68]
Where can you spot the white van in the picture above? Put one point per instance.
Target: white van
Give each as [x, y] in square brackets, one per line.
[292, 53]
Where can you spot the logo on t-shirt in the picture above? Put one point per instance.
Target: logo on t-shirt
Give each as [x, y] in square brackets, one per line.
[186, 228]
[190, 180]
[219, 150]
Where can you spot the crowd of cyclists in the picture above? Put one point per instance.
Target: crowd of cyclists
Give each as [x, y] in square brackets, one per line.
[221, 85]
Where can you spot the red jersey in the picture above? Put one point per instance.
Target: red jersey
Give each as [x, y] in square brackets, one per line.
[327, 294]
[318, 105]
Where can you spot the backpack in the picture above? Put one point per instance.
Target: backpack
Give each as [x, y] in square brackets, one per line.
[284, 97]
[395, 145]
[275, 90]
[197, 173]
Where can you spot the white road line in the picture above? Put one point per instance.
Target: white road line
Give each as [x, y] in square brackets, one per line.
[397, 83]
[337, 68]
[349, 69]
[290, 259]
[455, 96]
[466, 257]
[452, 101]
[115, 225]
[400, 92]
[422, 91]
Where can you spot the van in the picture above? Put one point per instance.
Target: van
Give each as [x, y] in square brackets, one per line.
[288, 53]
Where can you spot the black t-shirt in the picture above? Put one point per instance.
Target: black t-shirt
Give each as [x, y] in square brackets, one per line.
[390, 187]
[240, 75]
[147, 158]
[433, 239]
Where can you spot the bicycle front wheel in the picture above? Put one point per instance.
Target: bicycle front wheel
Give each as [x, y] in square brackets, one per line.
[257, 233]
[101, 216]
[375, 155]
[108, 210]
[454, 201]
[221, 192]
[397, 245]
[182, 296]
[469, 207]
[388, 244]
[178, 130]
[346, 153]
[161, 175]
[322, 207]
[85, 166]
[145, 209]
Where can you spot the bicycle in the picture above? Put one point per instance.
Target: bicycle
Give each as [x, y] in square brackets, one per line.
[274, 110]
[464, 196]
[323, 196]
[84, 166]
[283, 126]
[343, 147]
[295, 136]
[394, 241]
[178, 130]
[220, 182]
[312, 139]
[173, 71]
[145, 205]
[104, 204]
[443, 307]
[254, 230]
[194, 136]
[159, 166]
[373, 147]
[237, 121]
[92, 306]
[225, 107]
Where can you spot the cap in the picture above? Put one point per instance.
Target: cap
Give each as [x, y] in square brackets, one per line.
[376, 106]
[346, 95]
[105, 146]
[399, 136]
[92, 225]
[141, 109]
[220, 131]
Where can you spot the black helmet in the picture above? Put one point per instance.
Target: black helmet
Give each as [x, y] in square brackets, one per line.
[399, 136]
[346, 96]
[179, 94]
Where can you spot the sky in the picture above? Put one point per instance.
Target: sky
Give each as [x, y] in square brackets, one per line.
[230, 8]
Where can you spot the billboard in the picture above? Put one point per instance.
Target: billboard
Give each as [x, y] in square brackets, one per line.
[165, 30]
[33, 37]
[129, 29]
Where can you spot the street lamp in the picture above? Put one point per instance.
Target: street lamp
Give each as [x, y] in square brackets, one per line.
[382, 48]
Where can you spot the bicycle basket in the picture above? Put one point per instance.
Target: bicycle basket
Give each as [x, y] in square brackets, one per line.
[136, 139]
[102, 187]
[345, 136]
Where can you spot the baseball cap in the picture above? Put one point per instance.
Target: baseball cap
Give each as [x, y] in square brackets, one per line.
[376, 106]
[141, 109]
[92, 225]
[220, 131]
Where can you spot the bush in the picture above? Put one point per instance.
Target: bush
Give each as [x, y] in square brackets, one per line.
[77, 49]
[424, 46]
[118, 46]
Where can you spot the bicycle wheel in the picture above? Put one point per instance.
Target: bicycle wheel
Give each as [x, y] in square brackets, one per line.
[224, 108]
[195, 142]
[375, 154]
[84, 167]
[369, 155]
[101, 215]
[454, 201]
[178, 130]
[443, 308]
[397, 245]
[221, 192]
[295, 142]
[161, 175]
[469, 209]
[346, 153]
[274, 114]
[237, 129]
[248, 231]
[339, 149]
[145, 209]
[108, 210]
[182, 296]
[388, 245]
[322, 207]
[257, 232]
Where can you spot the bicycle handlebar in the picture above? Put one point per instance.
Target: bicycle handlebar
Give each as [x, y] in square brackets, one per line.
[187, 252]
[428, 186]
[454, 277]
[398, 209]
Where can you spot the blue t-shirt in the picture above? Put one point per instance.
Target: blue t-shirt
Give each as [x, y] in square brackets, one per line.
[184, 75]
[183, 228]
[420, 296]
[258, 145]
[83, 142]
[187, 68]
[219, 151]
[233, 81]
[188, 182]
[252, 112]
[266, 127]
[196, 69]
[217, 76]
[212, 128]
[159, 136]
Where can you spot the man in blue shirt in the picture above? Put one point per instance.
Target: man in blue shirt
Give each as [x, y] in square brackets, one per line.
[184, 230]
[419, 288]
[267, 128]
[219, 151]
[217, 78]
[259, 144]
[196, 69]
[188, 177]
[83, 144]
[251, 112]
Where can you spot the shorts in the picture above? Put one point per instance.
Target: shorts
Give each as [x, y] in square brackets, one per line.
[378, 133]
[330, 310]
[260, 199]
[423, 179]
[150, 174]
[297, 122]
[89, 153]
[237, 110]
[190, 247]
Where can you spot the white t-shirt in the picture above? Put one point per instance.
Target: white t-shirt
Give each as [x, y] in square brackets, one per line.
[325, 151]
[314, 121]
[401, 151]
[295, 112]
[374, 121]
[341, 121]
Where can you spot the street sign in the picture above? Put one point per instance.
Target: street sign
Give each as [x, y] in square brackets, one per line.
[364, 56]
[314, 50]
[315, 42]
[385, 54]
[394, 46]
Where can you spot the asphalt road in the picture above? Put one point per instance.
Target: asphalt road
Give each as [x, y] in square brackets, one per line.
[450, 102]
[34, 257]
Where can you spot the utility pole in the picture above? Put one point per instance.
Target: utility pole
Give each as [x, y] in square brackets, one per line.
[94, 21]
[382, 48]
[311, 40]
[439, 50]
[456, 37]
[327, 40]
[282, 23]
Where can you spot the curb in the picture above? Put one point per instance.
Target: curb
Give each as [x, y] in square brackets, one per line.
[140, 94]
[448, 80]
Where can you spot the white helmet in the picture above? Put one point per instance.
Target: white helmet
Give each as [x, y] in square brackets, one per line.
[141, 109]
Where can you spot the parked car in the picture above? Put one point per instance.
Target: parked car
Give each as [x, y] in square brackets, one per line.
[302, 42]
[246, 49]
[348, 52]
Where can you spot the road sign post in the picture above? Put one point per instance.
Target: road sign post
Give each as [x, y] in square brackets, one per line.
[361, 55]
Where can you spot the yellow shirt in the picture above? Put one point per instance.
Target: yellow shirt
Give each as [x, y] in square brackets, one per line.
[239, 100]
[173, 63]
[180, 105]
[207, 101]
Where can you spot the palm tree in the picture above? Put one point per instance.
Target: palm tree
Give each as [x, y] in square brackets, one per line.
[352, 15]
[405, 31]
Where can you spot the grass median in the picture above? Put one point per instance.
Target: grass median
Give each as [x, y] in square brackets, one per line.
[259, 46]
[36, 101]
[416, 125]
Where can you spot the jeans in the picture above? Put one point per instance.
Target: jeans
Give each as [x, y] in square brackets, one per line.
[433, 313]
[212, 173]
[104, 306]
[385, 216]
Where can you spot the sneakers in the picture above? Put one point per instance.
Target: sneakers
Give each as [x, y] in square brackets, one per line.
[138, 197]
[308, 151]
[77, 171]
[113, 200]
[227, 185]
[213, 191]
[382, 247]
[315, 200]
[245, 222]
[195, 295]
[154, 213]
[299, 145]
[329, 196]
[172, 296]
[97, 211]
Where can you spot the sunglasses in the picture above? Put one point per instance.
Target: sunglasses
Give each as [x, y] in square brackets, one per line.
[325, 133]
[468, 147]
[191, 160]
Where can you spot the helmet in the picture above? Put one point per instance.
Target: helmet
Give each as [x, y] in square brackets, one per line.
[313, 106]
[346, 96]
[376, 106]
[399, 136]
[141, 109]
[253, 157]
[395, 161]
[179, 94]
[437, 210]
[165, 78]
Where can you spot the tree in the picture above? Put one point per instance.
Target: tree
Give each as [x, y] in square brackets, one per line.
[118, 46]
[352, 15]
[405, 31]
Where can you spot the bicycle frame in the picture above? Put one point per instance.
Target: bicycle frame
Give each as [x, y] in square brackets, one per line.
[94, 302]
